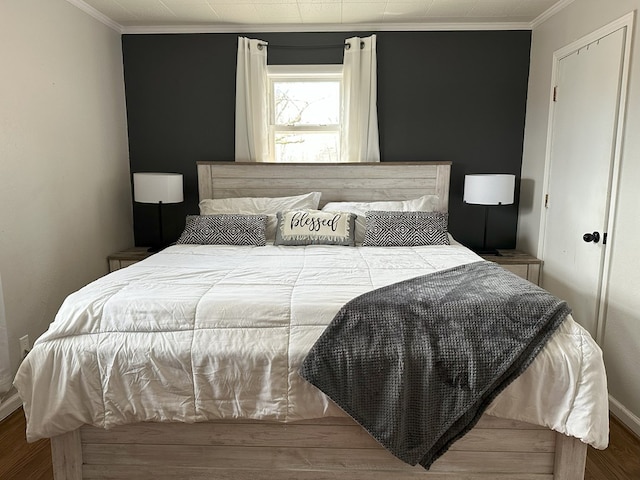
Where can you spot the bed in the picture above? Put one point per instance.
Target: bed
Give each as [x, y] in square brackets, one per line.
[275, 425]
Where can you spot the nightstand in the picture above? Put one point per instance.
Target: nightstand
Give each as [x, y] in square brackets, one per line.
[127, 257]
[522, 264]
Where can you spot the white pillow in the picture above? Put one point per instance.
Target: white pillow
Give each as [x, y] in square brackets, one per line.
[426, 203]
[261, 206]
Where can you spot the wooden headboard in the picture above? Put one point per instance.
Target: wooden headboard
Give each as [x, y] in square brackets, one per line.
[336, 181]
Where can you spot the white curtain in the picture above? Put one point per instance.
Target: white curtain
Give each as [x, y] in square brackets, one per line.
[360, 112]
[252, 142]
[5, 367]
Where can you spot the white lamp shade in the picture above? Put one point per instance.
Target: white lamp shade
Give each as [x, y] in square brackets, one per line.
[489, 189]
[157, 187]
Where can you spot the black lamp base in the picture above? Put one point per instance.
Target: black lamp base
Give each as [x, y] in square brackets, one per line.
[157, 248]
[161, 242]
[484, 250]
[488, 252]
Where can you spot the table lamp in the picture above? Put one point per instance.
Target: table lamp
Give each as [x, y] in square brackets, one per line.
[159, 188]
[489, 190]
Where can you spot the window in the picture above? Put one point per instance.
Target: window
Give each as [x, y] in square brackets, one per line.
[305, 112]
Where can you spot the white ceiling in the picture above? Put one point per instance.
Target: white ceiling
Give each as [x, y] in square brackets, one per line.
[237, 15]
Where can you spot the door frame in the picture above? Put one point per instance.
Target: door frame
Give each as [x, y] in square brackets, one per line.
[626, 22]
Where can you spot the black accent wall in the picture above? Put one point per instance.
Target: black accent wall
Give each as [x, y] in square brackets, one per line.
[457, 96]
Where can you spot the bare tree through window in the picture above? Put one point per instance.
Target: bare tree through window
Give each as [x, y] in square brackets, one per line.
[306, 119]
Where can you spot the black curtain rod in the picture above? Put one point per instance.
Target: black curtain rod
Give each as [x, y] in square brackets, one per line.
[335, 45]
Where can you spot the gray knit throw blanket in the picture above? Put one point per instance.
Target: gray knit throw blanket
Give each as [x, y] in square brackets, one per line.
[416, 363]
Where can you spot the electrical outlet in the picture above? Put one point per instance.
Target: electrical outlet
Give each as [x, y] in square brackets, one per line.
[25, 345]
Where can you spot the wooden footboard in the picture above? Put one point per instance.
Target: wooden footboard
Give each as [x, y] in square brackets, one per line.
[331, 448]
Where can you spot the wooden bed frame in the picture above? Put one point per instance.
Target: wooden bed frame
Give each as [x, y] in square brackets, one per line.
[322, 449]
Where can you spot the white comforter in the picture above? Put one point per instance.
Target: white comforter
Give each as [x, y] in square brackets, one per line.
[196, 333]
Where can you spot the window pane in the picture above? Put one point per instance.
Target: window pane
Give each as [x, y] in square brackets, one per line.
[307, 103]
[307, 147]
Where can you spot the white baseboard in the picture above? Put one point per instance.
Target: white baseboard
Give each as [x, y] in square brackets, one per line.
[624, 415]
[9, 404]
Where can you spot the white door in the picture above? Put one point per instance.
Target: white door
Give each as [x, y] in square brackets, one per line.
[585, 114]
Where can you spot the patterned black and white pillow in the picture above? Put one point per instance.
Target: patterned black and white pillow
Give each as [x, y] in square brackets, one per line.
[406, 229]
[224, 229]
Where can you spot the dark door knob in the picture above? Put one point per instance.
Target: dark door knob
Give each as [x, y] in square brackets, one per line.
[591, 237]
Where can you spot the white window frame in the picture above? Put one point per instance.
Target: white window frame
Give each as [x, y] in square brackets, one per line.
[301, 73]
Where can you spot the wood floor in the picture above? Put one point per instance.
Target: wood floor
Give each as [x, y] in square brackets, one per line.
[621, 461]
[22, 461]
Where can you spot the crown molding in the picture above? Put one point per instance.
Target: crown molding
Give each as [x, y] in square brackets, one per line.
[371, 27]
[101, 17]
[550, 12]
[374, 27]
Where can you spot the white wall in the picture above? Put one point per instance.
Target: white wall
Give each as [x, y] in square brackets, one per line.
[621, 344]
[6, 375]
[65, 200]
